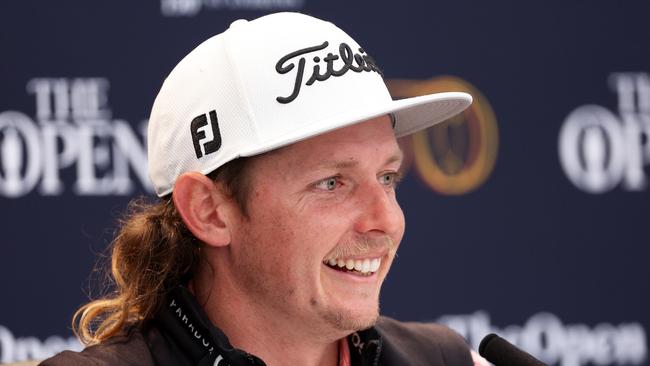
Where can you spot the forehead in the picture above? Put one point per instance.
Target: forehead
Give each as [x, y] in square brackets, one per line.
[371, 140]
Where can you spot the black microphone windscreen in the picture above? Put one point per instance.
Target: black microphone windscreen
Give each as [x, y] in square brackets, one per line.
[502, 353]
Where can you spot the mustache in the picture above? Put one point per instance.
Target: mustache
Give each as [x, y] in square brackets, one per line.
[363, 245]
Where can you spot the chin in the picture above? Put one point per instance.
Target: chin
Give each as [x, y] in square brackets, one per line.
[351, 321]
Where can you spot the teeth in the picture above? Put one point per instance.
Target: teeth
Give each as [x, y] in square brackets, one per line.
[358, 265]
[365, 266]
[349, 264]
[374, 265]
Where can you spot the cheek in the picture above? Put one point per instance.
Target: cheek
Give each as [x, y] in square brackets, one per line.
[274, 236]
[294, 235]
[398, 223]
[263, 261]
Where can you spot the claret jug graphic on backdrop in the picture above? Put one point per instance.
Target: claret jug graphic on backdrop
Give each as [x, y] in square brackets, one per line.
[457, 156]
[72, 144]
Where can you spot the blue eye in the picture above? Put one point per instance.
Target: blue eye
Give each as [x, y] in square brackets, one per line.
[387, 179]
[390, 179]
[328, 184]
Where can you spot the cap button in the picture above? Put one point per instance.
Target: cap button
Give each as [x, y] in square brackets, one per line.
[238, 23]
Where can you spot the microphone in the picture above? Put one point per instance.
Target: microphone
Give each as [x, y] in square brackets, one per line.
[503, 353]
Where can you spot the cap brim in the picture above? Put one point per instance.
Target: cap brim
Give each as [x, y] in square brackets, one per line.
[411, 115]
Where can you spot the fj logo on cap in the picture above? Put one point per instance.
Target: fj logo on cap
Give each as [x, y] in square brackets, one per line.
[198, 134]
[357, 62]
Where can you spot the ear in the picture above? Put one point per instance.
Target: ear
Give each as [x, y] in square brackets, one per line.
[203, 208]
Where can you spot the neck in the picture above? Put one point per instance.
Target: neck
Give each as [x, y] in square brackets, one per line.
[258, 329]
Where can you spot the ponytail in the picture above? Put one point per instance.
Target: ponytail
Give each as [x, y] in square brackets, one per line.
[152, 253]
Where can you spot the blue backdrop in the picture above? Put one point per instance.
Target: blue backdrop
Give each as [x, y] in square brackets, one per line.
[529, 215]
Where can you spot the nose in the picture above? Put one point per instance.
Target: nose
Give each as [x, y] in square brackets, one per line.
[379, 211]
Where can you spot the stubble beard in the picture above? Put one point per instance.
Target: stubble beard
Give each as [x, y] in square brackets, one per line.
[347, 321]
[344, 319]
[339, 320]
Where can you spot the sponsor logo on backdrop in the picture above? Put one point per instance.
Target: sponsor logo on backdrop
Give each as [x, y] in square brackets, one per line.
[190, 8]
[456, 156]
[14, 349]
[600, 150]
[72, 144]
[545, 336]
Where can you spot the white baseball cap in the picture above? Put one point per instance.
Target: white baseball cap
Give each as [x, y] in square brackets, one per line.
[267, 83]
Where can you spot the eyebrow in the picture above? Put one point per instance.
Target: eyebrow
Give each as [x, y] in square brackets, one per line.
[398, 156]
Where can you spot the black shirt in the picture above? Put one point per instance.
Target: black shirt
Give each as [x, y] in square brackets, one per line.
[182, 335]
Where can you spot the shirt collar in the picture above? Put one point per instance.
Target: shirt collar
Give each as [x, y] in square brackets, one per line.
[183, 319]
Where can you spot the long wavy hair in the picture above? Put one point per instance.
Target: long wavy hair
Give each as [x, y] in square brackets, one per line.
[152, 253]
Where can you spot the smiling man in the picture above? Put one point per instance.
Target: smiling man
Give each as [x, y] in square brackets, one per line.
[272, 147]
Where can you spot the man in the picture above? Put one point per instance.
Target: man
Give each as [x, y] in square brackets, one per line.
[273, 149]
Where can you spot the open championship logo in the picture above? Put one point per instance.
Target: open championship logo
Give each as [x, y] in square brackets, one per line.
[73, 138]
[545, 336]
[599, 150]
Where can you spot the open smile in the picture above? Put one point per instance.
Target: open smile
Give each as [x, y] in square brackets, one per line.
[358, 266]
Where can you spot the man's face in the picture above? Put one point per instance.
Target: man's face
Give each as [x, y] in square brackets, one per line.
[322, 228]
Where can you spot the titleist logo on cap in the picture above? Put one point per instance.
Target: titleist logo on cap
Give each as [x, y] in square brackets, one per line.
[357, 62]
